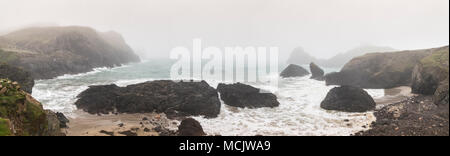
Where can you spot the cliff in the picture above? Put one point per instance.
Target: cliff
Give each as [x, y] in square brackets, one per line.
[380, 70]
[48, 52]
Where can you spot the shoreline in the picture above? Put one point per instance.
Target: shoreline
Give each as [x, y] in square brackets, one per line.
[140, 124]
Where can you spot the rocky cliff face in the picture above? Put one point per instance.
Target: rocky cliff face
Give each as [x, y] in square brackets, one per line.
[17, 74]
[380, 70]
[430, 71]
[22, 115]
[48, 52]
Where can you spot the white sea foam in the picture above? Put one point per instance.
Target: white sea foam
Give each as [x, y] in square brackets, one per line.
[298, 114]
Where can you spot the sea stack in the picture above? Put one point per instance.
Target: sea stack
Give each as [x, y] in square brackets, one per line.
[294, 71]
[348, 99]
[316, 71]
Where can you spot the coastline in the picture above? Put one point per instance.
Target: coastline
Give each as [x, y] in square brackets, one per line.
[415, 115]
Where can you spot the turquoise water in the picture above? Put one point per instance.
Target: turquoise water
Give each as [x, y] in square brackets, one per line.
[298, 114]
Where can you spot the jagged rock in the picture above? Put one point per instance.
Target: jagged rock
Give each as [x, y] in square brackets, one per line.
[380, 70]
[348, 99]
[22, 77]
[430, 71]
[25, 115]
[241, 95]
[62, 120]
[294, 71]
[316, 71]
[172, 98]
[190, 127]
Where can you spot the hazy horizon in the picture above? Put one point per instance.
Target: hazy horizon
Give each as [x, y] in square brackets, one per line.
[323, 28]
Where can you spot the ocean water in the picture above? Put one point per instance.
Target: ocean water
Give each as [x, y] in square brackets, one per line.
[298, 114]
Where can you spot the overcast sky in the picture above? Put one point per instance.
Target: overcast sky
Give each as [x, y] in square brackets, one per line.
[322, 27]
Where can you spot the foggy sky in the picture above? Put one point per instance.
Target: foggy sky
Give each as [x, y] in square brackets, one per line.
[322, 27]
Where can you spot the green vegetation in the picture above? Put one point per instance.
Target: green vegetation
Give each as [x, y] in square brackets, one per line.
[437, 59]
[4, 127]
[7, 57]
[25, 113]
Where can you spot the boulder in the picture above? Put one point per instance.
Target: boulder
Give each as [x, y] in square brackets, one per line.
[348, 99]
[430, 71]
[23, 115]
[241, 95]
[316, 71]
[19, 75]
[294, 71]
[190, 127]
[380, 70]
[173, 98]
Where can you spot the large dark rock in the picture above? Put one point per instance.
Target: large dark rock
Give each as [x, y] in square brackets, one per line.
[48, 52]
[430, 71]
[348, 99]
[241, 95]
[19, 75]
[316, 71]
[190, 127]
[294, 71]
[380, 70]
[172, 98]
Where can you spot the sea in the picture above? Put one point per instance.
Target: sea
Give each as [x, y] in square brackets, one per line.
[299, 113]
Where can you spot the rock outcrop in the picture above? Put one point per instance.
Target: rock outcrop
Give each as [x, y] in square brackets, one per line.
[19, 75]
[48, 52]
[173, 98]
[241, 95]
[441, 95]
[22, 115]
[294, 71]
[190, 127]
[430, 72]
[380, 70]
[348, 99]
[414, 116]
[316, 71]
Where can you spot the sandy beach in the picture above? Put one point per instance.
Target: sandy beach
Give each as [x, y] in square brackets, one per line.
[145, 124]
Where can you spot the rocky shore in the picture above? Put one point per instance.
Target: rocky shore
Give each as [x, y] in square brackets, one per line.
[414, 116]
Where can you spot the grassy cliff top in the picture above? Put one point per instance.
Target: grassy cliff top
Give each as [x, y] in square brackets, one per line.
[439, 59]
[19, 109]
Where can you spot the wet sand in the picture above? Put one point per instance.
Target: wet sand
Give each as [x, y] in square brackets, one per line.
[148, 124]
[394, 95]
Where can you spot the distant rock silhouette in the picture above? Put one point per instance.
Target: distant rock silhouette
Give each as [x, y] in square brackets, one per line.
[294, 71]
